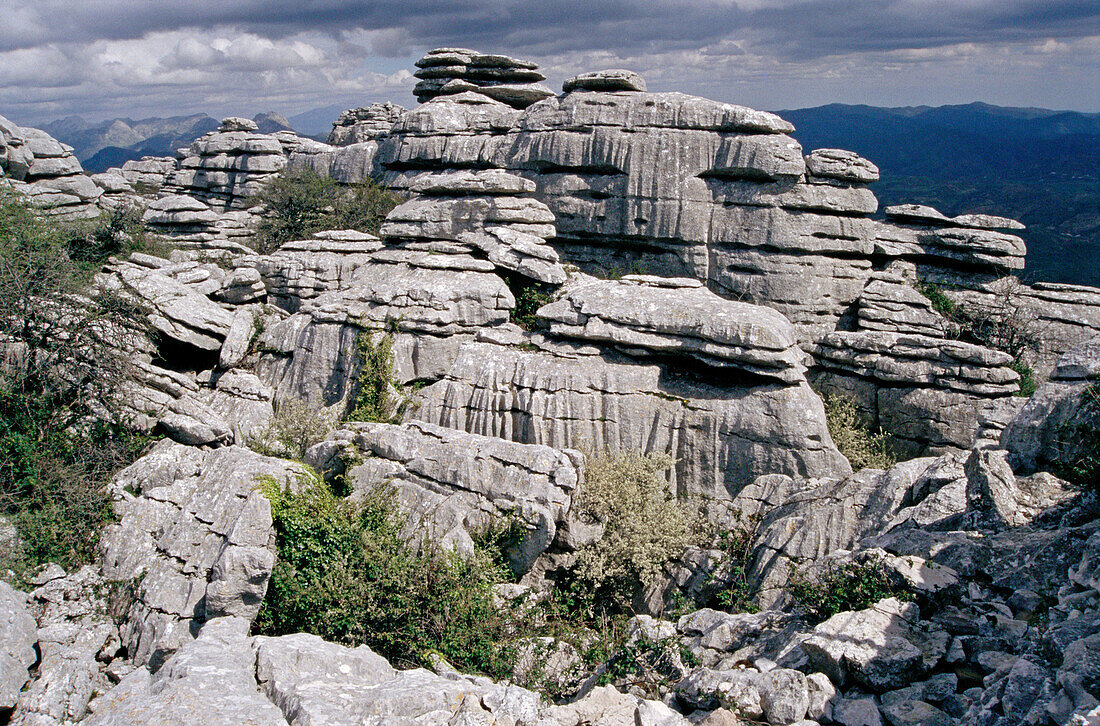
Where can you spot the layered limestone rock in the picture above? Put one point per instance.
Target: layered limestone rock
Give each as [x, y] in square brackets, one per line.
[677, 317]
[359, 125]
[209, 200]
[449, 71]
[452, 485]
[194, 538]
[488, 212]
[679, 186]
[304, 269]
[37, 165]
[432, 303]
[723, 432]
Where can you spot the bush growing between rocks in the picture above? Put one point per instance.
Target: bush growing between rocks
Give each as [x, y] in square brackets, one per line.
[644, 525]
[852, 434]
[1004, 325]
[850, 586]
[345, 574]
[301, 202]
[530, 296]
[295, 428]
[379, 397]
[62, 360]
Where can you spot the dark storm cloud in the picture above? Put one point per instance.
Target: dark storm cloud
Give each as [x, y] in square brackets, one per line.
[794, 28]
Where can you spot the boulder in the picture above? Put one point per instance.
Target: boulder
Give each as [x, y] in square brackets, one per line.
[874, 648]
[609, 80]
[18, 635]
[194, 537]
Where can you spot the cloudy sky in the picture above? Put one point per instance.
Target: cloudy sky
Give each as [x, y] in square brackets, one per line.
[107, 58]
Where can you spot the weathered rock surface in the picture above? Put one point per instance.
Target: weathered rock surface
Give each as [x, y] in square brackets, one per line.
[723, 433]
[677, 317]
[37, 165]
[1057, 425]
[194, 537]
[446, 71]
[17, 639]
[311, 356]
[359, 125]
[453, 485]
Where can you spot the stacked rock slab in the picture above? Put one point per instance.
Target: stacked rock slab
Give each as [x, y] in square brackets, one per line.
[359, 125]
[35, 164]
[449, 71]
[209, 201]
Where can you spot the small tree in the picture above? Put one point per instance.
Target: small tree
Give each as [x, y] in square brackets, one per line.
[65, 354]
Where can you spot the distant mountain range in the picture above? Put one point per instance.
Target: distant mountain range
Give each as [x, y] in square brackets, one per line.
[102, 145]
[1039, 166]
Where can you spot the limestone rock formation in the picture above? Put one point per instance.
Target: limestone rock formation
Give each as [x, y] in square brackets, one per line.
[35, 164]
[194, 538]
[358, 125]
[447, 71]
[723, 431]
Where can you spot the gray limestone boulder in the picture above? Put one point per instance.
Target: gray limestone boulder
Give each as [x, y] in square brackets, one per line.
[75, 637]
[18, 635]
[175, 311]
[875, 648]
[195, 537]
[846, 166]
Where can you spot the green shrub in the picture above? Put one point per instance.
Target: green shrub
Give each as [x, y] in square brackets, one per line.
[379, 396]
[1028, 384]
[530, 295]
[301, 202]
[852, 434]
[62, 417]
[295, 427]
[115, 233]
[344, 573]
[851, 586]
[1005, 324]
[644, 525]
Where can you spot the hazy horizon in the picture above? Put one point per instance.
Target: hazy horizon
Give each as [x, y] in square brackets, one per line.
[158, 58]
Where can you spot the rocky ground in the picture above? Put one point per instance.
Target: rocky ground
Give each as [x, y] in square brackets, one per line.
[700, 272]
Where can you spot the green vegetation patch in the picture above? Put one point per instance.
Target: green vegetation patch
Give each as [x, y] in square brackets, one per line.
[301, 202]
[345, 573]
[851, 586]
[379, 396]
[62, 426]
[853, 435]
